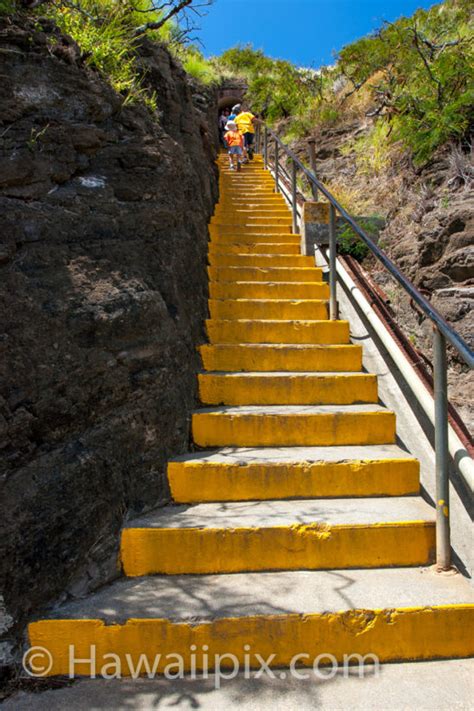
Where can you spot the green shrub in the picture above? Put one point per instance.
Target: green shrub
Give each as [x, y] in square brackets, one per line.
[415, 76]
[276, 88]
[349, 243]
[372, 151]
[424, 77]
[327, 114]
[7, 7]
[298, 128]
[199, 68]
[106, 38]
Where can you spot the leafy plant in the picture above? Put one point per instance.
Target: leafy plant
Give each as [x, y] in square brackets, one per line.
[349, 243]
[198, 67]
[108, 44]
[372, 151]
[36, 135]
[424, 89]
[7, 7]
[107, 31]
[276, 88]
[413, 77]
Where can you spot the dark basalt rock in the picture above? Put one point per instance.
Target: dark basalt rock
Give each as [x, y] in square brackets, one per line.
[103, 292]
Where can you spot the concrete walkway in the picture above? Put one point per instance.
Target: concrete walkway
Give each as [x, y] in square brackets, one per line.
[434, 686]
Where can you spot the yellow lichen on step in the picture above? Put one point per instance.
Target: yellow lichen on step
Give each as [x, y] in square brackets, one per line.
[170, 551]
[194, 481]
[406, 633]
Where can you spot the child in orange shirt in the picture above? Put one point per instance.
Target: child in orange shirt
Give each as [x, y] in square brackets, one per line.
[235, 144]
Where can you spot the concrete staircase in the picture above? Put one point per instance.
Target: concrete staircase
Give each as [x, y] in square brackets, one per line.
[297, 526]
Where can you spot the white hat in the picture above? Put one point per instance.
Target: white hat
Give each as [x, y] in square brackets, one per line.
[230, 126]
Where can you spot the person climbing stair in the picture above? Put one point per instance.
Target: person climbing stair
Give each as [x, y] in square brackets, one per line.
[235, 144]
[246, 121]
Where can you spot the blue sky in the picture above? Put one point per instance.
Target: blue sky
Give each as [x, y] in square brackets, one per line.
[306, 32]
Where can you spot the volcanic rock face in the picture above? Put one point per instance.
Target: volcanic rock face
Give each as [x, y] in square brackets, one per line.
[103, 240]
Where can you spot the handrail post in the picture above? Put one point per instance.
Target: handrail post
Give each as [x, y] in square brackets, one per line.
[294, 199]
[443, 546]
[277, 167]
[312, 162]
[332, 264]
[265, 148]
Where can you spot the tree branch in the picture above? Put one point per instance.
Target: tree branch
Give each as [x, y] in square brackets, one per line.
[157, 24]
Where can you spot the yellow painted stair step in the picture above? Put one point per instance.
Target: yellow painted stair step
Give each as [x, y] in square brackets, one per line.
[395, 614]
[275, 220]
[268, 309]
[392, 635]
[191, 551]
[246, 207]
[236, 198]
[249, 227]
[239, 217]
[248, 236]
[280, 535]
[267, 358]
[257, 195]
[286, 389]
[302, 473]
[251, 203]
[246, 184]
[286, 274]
[254, 331]
[268, 290]
[257, 213]
[279, 248]
[261, 260]
[293, 426]
[251, 199]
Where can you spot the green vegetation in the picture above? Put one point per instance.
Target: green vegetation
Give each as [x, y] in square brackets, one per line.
[106, 37]
[108, 32]
[419, 73]
[7, 6]
[197, 66]
[349, 243]
[413, 77]
[372, 151]
[277, 88]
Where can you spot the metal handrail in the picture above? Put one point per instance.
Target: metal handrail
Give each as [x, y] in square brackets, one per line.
[442, 331]
[428, 309]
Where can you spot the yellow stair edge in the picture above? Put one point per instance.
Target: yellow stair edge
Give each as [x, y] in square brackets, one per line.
[193, 481]
[393, 634]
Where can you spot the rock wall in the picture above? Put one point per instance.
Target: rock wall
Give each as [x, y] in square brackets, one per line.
[103, 292]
